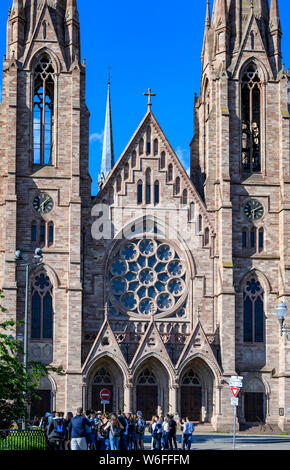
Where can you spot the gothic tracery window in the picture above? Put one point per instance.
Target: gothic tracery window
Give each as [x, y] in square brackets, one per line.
[147, 277]
[190, 378]
[253, 311]
[251, 120]
[43, 112]
[41, 307]
[102, 377]
[147, 377]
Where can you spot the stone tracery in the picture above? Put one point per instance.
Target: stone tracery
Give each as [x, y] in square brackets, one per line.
[147, 277]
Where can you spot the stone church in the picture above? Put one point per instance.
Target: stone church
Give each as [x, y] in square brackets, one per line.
[164, 285]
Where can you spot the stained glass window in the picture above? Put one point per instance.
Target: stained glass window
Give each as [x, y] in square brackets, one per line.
[41, 307]
[147, 277]
[253, 311]
[43, 111]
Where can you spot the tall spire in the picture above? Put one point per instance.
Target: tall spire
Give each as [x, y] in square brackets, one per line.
[206, 32]
[274, 16]
[108, 160]
[207, 17]
[276, 34]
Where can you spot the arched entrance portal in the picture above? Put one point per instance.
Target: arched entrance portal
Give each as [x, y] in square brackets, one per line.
[255, 401]
[191, 396]
[102, 380]
[40, 407]
[147, 393]
[105, 374]
[196, 391]
[151, 388]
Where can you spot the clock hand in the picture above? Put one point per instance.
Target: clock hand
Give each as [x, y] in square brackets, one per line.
[44, 203]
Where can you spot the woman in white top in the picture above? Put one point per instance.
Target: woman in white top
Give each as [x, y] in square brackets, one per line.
[166, 432]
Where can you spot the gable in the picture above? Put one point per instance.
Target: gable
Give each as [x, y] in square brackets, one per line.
[149, 152]
[252, 42]
[151, 345]
[198, 346]
[44, 31]
[105, 344]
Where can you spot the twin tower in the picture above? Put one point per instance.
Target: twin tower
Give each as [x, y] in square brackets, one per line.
[162, 323]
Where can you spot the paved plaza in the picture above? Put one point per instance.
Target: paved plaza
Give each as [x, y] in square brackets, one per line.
[216, 442]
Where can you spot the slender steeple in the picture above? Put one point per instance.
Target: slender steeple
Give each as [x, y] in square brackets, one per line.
[276, 34]
[205, 47]
[108, 160]
[72, 32]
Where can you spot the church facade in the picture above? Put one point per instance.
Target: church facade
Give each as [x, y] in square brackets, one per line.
[164, 285]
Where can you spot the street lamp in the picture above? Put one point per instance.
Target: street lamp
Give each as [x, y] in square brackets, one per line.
[281, 311]
[37, 260]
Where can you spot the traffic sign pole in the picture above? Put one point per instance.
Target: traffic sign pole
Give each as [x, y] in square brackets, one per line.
[235, 420]
[235, 383]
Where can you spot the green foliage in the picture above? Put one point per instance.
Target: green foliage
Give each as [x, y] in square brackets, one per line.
[17, 386]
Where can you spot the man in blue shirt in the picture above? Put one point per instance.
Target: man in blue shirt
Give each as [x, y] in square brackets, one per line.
[187, 430]
[77, 431]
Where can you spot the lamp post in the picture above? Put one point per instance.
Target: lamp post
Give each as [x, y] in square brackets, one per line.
[37, 260]
[281, 311]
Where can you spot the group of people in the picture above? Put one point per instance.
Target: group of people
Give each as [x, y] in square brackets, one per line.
[116, 431]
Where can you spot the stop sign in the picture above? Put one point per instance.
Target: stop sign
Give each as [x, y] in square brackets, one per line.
[105, 394]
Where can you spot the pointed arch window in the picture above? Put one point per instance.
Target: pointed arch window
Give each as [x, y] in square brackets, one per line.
[177, 185]
[148, 186]
[184, 197]
[50, 233]
[253, 311]
[147, 377]
[170, 172]
[102, 377]
[162, 160]
[140, 192]
[156, 192]
[141, 146]
[41, 307]
[155, 147]
[43, 112]
[251, 120]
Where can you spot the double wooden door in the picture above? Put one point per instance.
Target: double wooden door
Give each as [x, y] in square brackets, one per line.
[147, 400]
[254, 407]
[191, 403]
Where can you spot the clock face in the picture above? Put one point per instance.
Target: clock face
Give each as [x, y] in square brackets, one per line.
[253, 209]
[42, 203]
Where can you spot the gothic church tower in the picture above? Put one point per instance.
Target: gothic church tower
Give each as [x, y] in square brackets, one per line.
[240, 165]
[44, 176]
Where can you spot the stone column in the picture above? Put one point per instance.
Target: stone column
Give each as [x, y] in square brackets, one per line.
[173, 400]
[128, 394]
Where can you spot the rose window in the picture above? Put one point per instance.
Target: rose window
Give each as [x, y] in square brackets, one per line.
[147, 277]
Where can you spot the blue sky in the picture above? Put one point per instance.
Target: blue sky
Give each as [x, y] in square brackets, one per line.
[155, 44]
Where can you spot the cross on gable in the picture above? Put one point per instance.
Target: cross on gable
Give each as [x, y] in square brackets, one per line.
[149, 94]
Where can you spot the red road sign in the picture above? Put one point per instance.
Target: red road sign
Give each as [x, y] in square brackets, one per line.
[105, 394]
[235, 391]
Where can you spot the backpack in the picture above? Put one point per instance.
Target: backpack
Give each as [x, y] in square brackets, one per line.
[105, 434]
[116, 432]
[59, 424]
[141, 425]
[155, 432]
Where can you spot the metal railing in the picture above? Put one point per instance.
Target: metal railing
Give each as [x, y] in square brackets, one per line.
[23, 440]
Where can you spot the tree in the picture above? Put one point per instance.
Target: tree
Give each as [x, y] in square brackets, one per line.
[17, 385]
